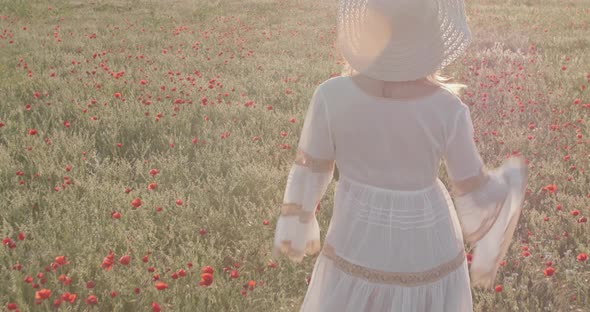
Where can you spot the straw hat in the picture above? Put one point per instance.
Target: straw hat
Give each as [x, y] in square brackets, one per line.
[401, 40]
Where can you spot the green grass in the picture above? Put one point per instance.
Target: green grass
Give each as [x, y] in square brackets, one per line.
[230, 183]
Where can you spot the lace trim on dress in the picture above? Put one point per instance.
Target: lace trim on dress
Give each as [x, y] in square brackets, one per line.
[293, 209]
[400, 278]
[315, 164]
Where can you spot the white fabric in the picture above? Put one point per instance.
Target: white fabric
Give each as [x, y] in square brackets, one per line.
[391, 211]
[306, 188]
[512, 175]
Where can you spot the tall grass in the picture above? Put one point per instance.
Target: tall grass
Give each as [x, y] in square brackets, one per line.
[223, 81]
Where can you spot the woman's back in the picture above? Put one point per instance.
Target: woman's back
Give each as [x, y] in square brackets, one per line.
[390, 143]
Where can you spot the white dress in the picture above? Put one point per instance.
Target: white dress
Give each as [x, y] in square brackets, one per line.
[396, 238]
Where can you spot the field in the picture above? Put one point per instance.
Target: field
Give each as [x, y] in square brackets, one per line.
[145, 147]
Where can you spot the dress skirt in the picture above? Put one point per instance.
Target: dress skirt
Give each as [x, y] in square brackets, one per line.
[391, 250]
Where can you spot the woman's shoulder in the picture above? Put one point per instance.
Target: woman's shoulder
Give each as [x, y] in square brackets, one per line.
[332, 82]
[450, 95]
[452, 101]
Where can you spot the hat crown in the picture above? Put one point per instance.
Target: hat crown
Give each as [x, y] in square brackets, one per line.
[409, 14]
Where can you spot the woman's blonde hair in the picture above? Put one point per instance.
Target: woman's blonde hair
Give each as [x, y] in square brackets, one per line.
[436, 78]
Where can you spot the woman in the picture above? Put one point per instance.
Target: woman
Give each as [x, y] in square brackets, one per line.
[396, 238]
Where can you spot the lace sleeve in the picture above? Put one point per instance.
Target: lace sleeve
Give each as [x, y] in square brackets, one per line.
[488, 202]
[297, 232]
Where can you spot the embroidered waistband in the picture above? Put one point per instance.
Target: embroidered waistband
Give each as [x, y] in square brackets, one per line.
[399, 278]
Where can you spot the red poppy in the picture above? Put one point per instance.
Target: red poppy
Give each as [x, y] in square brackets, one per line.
[61, 260]
[7, 241]
[136, 203]
[43, 294]
[124, 260]
[526, 253]
[251, 284]
[92, 300]
[161, 285]
[551, 188]
[68, 297]
[107, 262]
[206, 279]
[549, 271]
